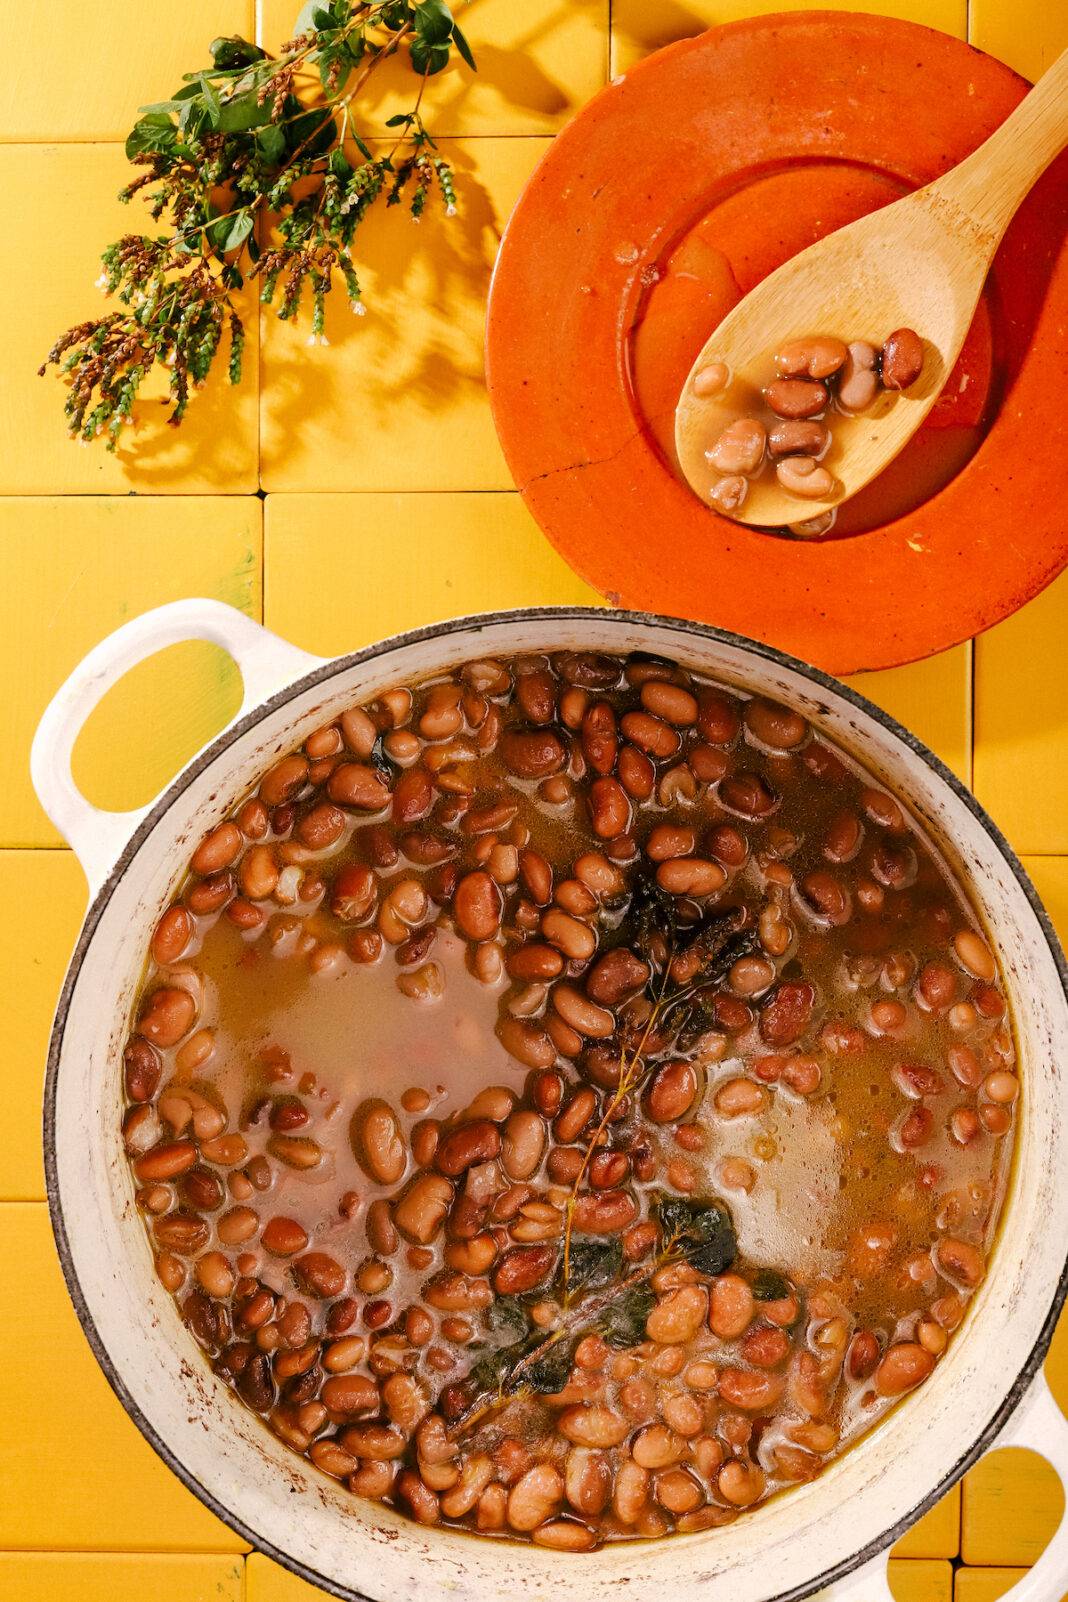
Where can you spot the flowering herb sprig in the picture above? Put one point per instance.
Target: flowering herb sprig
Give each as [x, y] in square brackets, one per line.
[246, 166]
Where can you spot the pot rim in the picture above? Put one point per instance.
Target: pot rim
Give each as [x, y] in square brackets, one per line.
[321, 674]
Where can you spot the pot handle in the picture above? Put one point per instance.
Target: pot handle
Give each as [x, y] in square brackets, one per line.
[266, 664]
[1038, 1424]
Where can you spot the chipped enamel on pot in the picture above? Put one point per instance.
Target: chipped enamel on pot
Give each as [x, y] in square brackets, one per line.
[988, 1382]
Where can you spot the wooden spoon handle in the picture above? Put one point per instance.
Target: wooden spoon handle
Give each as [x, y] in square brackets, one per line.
[989, 185]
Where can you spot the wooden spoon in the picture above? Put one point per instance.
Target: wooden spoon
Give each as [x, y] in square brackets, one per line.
[919, 263]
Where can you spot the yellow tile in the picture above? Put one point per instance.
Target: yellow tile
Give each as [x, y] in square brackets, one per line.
[74, 569]
[920, 1582]
[933, 699]
[342, 570]
[1012, 1504]
[267, 1582]
[937, 1534]
[537, 63]
[119, 1577]
[65, 199]
[1021, 724]
[88, 83]
[1050, 878]
[1056, 1367]
[47, 890]
[987, 1585]
[1028, 34]
[75, 1473]
[399, 400]
[639, 26]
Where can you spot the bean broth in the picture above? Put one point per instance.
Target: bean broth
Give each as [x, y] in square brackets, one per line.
[570, 1100]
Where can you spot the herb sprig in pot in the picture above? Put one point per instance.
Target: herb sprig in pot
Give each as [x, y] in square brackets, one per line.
[246, 167]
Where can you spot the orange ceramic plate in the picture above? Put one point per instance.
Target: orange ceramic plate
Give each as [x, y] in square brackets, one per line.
[674, 191]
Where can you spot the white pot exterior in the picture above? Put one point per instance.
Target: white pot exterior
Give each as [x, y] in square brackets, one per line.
[355, 1548]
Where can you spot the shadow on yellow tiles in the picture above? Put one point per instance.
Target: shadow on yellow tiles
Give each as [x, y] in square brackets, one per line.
[1027, 34]
[937, 1534]
[399, 400]
[74, 1471]
[1021, 740]
[65, 199]
[920, 1582]
[639, 26]
[1012, 1504]
[399, 561]
[74, 569]
[48, 889]
[987, 1585]
[932, 699]
[89, 87]
[537, 62]
[119, 1577]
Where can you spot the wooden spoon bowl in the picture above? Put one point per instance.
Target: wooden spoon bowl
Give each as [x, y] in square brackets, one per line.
[919, 263]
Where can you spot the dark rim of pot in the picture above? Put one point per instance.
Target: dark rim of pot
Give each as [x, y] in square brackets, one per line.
[330, 669]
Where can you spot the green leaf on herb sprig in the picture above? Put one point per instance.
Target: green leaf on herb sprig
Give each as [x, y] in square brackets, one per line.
[593, 1263]
[622, 1322]
[700, 1232]
[769, 1286]
[253, 138]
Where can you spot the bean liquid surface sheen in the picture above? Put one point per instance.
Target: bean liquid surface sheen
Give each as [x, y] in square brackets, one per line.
[569, 1100]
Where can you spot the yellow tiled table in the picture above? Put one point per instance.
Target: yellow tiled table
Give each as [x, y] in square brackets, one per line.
[384, 502]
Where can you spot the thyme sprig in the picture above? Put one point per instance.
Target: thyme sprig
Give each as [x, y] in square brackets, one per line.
[687, 967]
[536, 1360]
[247, 167]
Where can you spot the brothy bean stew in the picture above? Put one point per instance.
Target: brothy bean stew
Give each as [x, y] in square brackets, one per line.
[570, 1100]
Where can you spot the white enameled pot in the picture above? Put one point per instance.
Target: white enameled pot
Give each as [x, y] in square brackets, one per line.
[988, 1388]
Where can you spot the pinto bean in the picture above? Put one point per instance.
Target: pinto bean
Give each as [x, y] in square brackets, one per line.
[616, 976]
[583, 1015]
[731, 1306]
[575, 1115]
[650, 734]
[600, 737]
[811, 358]
[477, 906]
[748, 794]
[523, 1145]
[690, 876]
[609, 805]
[672, 1092]
[167, 1015]
[592, 1426]
[902, 359]
[522, 1268]
[534, 1497]
[172, 935]
[526, 1042]
[739, 448]
[532, 753]
[961, 1261]
[740, 1484]
[630, 1493]
[605, 1213]
[786, 1014]
[319, 1274]
[678, 1316]
[283, 1237]
[420, 1212]
[570, 935]
[796, 397]
[476, 1142]
[903, 1366]
[377, 1142]
[322, 827]
[749, 1391]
